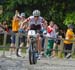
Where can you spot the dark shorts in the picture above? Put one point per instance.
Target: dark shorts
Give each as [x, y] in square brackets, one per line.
[35, 27]
[57, 41]
[68, 46]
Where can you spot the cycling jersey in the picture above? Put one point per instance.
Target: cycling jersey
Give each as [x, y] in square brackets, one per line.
[35, 24]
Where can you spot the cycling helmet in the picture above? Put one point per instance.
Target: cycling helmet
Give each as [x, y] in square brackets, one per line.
[36, 13]
[22, 14]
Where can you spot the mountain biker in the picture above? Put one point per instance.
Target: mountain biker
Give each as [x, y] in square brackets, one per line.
[35, 22]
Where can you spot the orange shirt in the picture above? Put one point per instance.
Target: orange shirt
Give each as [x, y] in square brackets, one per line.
[15, 25]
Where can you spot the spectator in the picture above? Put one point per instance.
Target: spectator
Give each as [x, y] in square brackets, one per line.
[68, 43]
[15, 27]
[44, 32]
[5, 26]
[51, 34]
[22, 29]
[57, 42]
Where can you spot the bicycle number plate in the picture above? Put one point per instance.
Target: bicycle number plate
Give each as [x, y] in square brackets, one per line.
[31, 32]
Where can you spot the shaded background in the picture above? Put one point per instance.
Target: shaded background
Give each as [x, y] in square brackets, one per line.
[60, 11]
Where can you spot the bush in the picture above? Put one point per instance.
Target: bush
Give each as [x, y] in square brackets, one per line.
[70, 18]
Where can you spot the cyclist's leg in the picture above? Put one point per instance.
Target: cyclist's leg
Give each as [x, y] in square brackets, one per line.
[39, 46]
[27, 45]
[43, 41]
[28, 41]
[43, 45]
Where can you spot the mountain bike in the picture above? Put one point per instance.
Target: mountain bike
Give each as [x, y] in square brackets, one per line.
[32, 48]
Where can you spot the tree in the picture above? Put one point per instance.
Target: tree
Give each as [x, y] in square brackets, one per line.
[50, 9]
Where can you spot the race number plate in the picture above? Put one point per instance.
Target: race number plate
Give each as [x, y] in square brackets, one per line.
[31, 32]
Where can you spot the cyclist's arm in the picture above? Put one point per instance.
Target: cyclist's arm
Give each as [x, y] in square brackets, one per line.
[26, 20]
[44, 23]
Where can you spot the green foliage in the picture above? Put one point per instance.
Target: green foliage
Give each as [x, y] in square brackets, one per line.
[50, 9]
[70, 18]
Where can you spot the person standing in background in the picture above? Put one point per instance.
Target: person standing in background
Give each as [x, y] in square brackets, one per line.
[51, 34]
[67, 42]
[15, 27]
[5, 26]
[22, 29]
[57, 42]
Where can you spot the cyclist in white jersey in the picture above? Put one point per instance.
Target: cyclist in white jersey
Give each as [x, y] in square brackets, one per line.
[36, 22]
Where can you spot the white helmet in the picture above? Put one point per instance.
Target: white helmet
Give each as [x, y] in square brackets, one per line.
[36, 13]
[22, 14]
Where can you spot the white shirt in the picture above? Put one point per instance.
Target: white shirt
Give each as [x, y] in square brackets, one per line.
[31, 20]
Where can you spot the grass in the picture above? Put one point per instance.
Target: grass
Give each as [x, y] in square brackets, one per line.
[8, 46]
